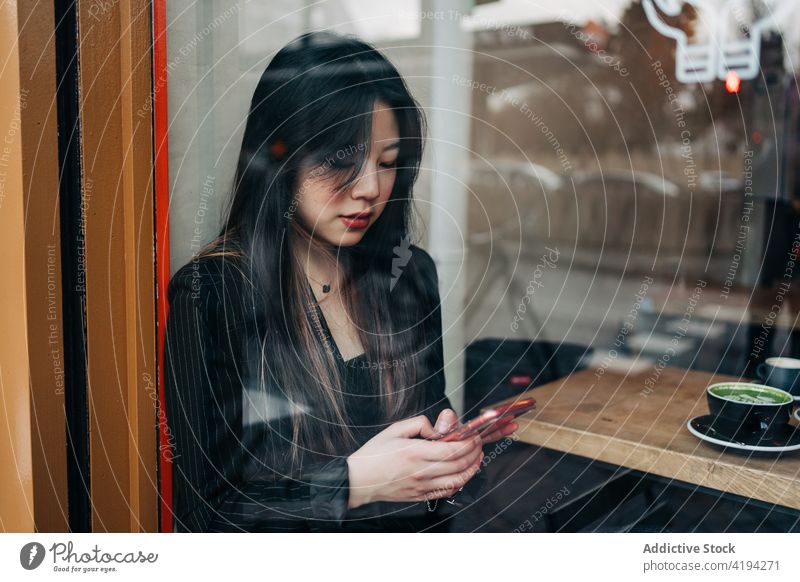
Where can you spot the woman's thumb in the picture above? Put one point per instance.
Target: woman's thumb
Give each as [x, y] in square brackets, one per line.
[447, 420]
[415, 426]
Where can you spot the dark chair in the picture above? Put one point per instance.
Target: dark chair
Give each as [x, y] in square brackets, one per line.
[497, 369]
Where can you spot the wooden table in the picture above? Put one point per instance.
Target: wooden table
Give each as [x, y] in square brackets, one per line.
[614, 418]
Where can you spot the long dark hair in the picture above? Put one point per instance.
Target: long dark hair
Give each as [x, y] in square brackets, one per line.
[315, 98]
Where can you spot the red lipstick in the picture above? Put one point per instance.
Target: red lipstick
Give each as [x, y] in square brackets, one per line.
[357, 220]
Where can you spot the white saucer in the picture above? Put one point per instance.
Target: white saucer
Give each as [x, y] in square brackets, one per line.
[700, 426]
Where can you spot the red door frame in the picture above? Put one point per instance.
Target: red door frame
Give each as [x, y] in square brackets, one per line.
[161, 126]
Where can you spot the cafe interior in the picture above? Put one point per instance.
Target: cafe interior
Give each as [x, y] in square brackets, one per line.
[617, 232]
[610, 192]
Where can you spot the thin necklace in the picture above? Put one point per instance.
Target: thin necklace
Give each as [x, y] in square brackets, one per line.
[326, 287]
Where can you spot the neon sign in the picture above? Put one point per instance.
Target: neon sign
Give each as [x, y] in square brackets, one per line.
[732, 43]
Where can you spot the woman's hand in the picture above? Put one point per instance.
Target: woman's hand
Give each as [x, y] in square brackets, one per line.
[447, 419]
[500, 430]
[396, 465]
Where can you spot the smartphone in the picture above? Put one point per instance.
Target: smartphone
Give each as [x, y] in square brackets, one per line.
[486, 421]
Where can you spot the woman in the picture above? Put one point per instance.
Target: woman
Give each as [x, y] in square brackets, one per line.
[303, 355]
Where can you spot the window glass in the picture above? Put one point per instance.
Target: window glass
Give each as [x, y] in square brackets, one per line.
[617, 175]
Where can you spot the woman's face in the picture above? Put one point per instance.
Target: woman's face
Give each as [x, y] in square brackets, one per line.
[325, 212]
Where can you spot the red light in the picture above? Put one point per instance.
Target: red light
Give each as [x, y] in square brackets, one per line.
[757, 137]
[521, 380]
[732, 82]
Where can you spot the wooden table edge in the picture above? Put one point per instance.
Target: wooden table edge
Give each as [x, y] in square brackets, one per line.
[724, 477]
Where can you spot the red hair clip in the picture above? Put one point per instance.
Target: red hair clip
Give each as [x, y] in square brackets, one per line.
[278, 149]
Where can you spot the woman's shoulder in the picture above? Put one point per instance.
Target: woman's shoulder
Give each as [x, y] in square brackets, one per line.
[424, 263]
[210, 272]
[420, 254]
[414, 276]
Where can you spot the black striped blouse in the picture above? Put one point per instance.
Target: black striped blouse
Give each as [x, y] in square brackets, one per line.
[225, 434]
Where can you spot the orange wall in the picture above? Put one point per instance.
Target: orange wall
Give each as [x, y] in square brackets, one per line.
[33, 489]
[16, 481]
